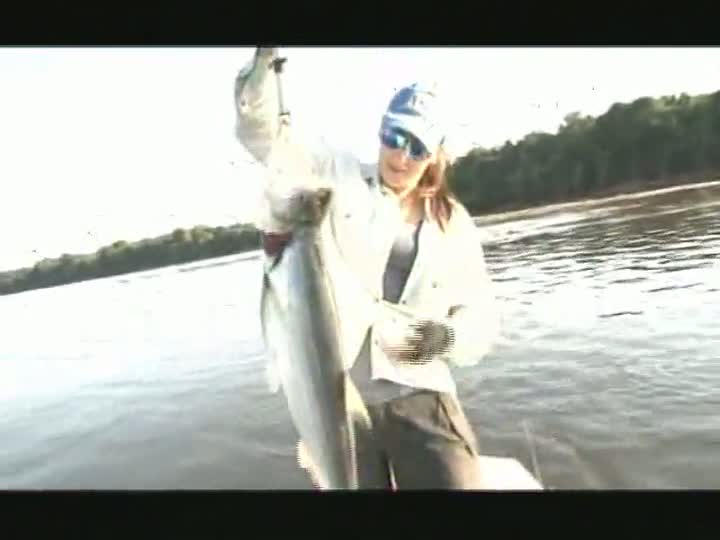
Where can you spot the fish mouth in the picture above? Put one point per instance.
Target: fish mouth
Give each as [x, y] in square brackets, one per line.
[315, 204]
[322, 198]
[301, 208]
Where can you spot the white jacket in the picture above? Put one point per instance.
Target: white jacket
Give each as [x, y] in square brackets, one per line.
[449, 269]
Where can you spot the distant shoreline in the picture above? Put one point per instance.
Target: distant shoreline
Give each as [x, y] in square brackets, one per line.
[119, 258]
[205, 243]
[607, 195]
[633, 148]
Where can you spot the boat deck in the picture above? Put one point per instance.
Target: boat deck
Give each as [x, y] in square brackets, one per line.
[506, 474]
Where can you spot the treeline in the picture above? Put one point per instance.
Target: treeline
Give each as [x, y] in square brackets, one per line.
[643, 144]
[637, 145]
[121, 257]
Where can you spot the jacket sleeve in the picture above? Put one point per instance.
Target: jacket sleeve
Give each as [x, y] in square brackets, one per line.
[257, 122]
[288, 161]
[475, 317]
[258, 126]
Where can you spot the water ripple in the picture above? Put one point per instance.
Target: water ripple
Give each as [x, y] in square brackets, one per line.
[609, 358]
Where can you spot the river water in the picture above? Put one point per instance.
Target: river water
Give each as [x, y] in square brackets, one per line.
[609, 366]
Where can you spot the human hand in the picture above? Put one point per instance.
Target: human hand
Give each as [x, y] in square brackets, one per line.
[266, 53]
[427, 338]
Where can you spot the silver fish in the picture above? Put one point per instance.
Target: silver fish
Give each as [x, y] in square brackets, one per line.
[301, 331]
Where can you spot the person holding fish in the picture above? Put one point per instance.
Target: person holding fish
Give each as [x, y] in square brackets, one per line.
[413, 245]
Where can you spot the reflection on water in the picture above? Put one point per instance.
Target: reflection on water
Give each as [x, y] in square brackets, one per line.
[608, 358]
[611, 346]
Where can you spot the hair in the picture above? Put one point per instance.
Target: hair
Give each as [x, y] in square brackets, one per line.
[434, 186]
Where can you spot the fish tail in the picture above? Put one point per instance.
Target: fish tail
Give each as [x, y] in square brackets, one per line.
[359, 425]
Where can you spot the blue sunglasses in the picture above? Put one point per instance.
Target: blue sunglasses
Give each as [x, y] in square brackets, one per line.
[400, 140]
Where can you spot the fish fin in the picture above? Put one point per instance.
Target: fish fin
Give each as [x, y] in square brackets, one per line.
[270, 315]
[306, 463]
[356, 408]
[359, 423]
[378, 468]
[272, 377]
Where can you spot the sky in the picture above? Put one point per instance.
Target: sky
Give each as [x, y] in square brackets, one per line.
[106, 144]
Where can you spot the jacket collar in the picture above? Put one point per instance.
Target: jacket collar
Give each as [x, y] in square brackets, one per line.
[379, 189]
[427, 251]
[429, 240]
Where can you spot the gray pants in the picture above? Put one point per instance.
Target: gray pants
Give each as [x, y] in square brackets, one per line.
[424, 439]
